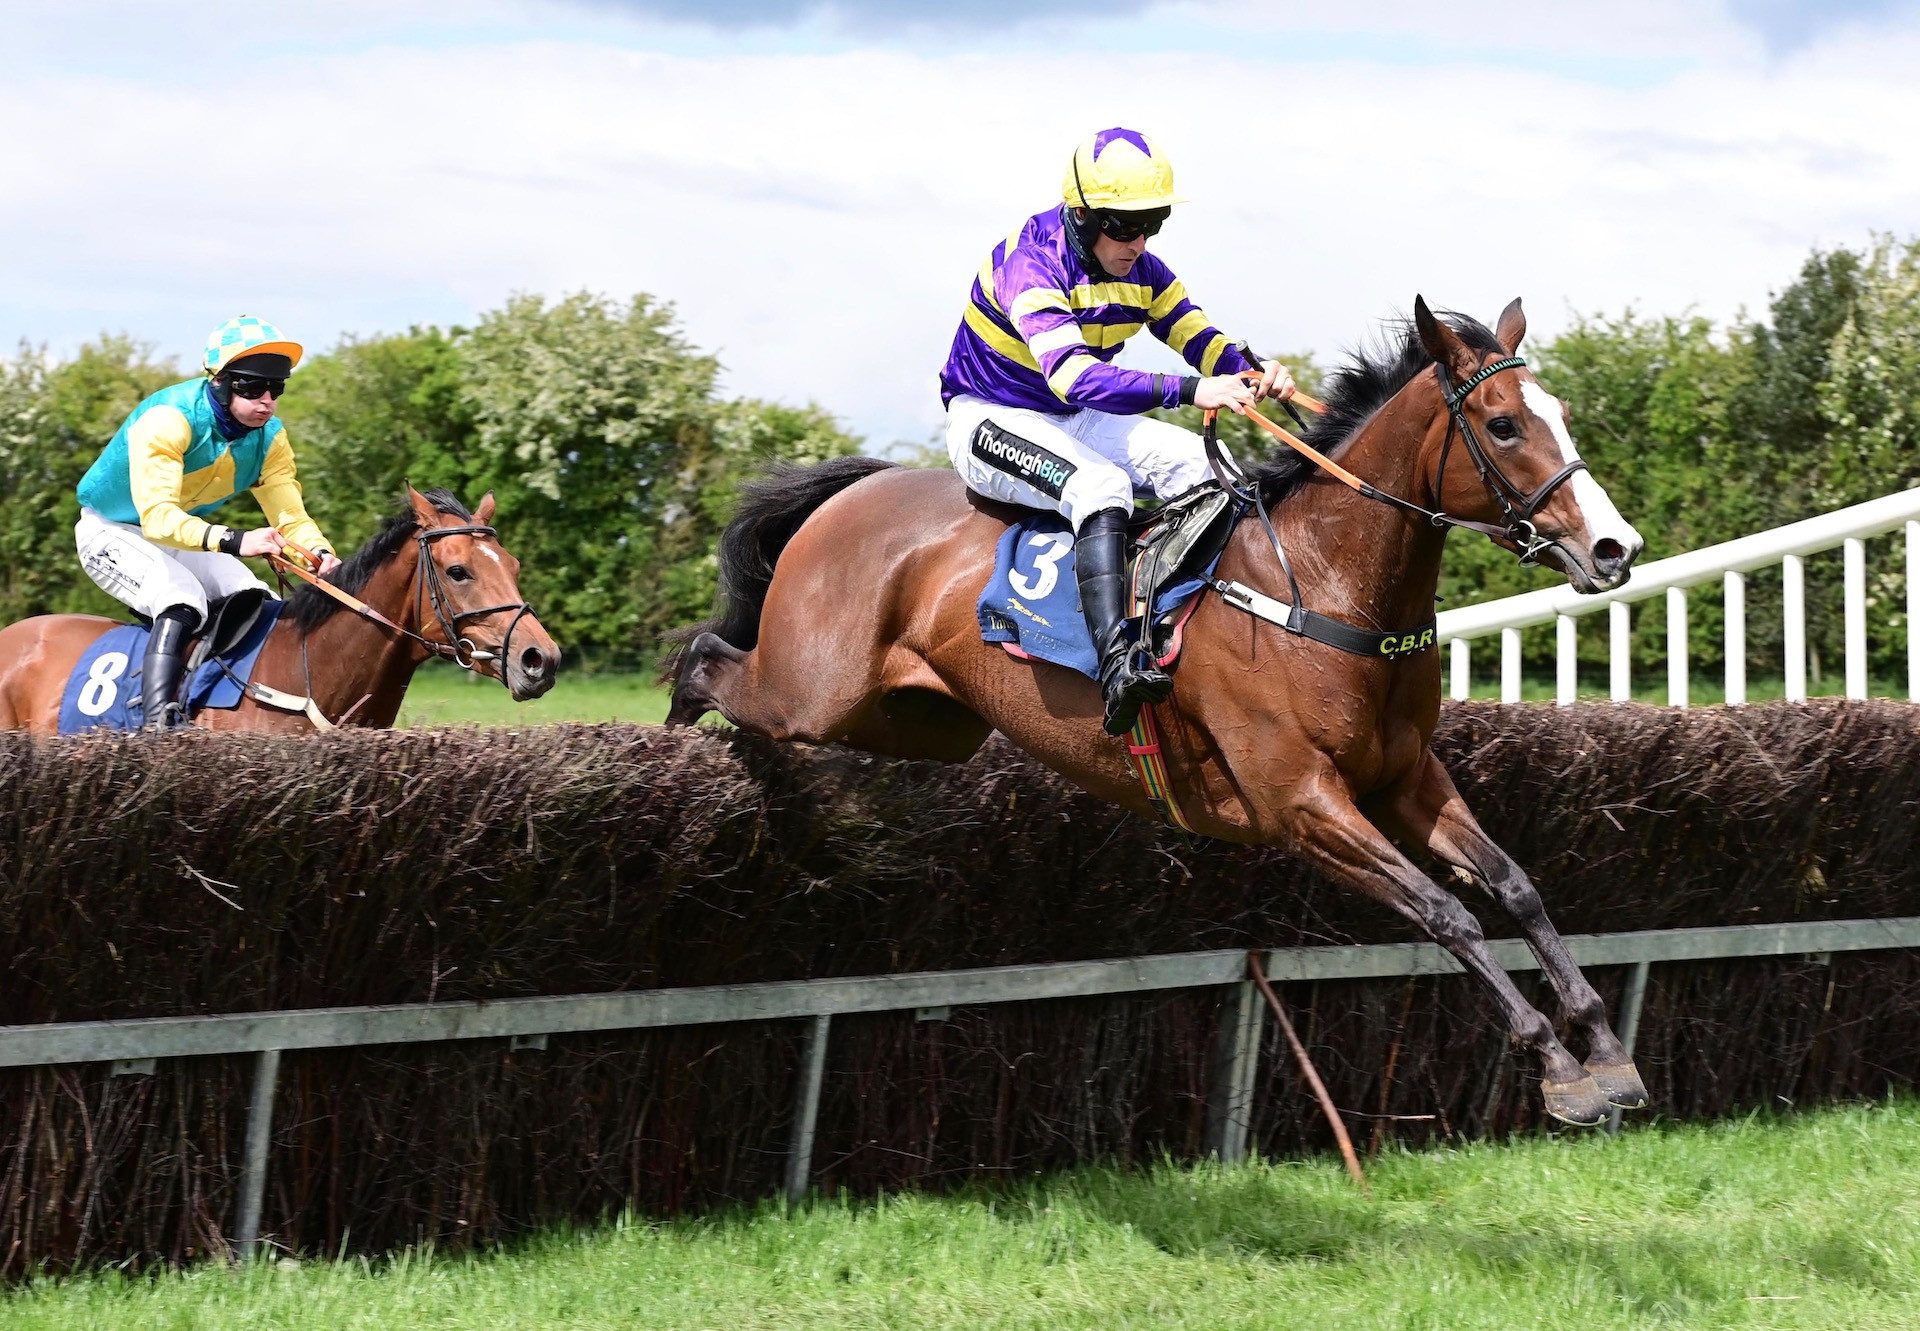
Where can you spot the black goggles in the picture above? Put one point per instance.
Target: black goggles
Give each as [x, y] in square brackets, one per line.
[1129, 226]
[250, 387]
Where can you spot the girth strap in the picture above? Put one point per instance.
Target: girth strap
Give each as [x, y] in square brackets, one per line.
[1324, 629]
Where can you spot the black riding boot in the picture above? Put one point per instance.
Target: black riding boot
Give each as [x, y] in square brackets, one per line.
[162, 668]
[1127, 682]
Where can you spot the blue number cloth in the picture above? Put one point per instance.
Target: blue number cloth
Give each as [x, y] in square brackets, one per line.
[1033, 599]
[103, 692]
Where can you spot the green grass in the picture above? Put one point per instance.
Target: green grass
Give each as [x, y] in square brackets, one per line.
[1809, 1221]
[445, 695]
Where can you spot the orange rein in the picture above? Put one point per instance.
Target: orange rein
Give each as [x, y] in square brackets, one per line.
[282, 565]
[1292, 440]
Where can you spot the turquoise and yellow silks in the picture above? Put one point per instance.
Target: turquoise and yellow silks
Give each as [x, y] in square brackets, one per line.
[168, 469]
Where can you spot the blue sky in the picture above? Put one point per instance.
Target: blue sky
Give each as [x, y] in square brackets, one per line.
[813, 185]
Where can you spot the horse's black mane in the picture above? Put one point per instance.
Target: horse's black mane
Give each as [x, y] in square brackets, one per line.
[309, 607]
[1357, 390]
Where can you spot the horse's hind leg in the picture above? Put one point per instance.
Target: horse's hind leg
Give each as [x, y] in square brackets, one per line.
[767, 696]
[705, 663]
[1427, 810]
[1330, 831]
[899, 709]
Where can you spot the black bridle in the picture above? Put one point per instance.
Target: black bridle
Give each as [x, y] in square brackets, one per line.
[429, 587]
[1516, 505]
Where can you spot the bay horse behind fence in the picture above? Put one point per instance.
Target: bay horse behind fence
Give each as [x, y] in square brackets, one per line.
[848, 614]
[435, 580]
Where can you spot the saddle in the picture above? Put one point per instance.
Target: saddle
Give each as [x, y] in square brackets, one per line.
[1178, 543]
[229, 620]
[103, 690]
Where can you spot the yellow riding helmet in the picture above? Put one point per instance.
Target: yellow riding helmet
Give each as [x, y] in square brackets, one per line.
[1119, 170]
[247, 336]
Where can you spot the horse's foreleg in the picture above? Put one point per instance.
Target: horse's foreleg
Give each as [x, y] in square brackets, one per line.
[1331, 832]
[1427, 810]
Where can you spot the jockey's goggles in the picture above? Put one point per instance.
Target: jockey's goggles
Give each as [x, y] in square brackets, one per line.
[1130, 226]
[250, 387]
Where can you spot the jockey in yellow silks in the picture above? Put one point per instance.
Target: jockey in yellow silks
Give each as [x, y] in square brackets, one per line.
[145, 532]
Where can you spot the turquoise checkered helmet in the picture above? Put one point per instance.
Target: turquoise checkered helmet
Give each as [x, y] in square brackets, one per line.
[246, 336]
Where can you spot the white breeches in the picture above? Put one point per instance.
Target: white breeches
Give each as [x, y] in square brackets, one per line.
[149, 578]
[1077, 464]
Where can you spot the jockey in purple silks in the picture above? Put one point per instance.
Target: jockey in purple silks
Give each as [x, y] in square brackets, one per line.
[1037, 413]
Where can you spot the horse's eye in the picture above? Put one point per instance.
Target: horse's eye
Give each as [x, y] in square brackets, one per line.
[458, 572]
[1502, 427]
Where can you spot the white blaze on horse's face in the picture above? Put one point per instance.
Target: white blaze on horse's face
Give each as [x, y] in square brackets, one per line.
[1612, 543]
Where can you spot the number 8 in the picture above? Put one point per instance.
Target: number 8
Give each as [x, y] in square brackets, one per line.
[99, 692]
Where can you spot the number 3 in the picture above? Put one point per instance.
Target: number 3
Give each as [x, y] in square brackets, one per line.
[1046, 564]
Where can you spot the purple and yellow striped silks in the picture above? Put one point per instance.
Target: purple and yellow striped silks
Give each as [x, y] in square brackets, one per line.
[1040, 331]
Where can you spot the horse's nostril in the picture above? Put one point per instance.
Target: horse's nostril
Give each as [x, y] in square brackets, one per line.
[533, 661]
[1608, 553]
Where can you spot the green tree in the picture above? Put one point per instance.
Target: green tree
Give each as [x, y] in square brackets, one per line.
[1776, 419]
[746, 435]
[597, 426]
[1870, 401]
[1870, 397]
[54, 421]
[372, 415]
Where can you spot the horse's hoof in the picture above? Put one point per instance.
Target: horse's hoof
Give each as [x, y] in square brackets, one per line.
[1581, 1103]
[1620, 1083]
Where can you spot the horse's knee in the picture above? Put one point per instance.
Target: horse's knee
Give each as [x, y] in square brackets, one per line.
[1448, 922]
[1521, 901]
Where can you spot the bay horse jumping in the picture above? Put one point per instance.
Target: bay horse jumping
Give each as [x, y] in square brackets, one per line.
[848, 614]
[435, 572]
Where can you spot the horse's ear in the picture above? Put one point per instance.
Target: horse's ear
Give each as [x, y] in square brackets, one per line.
[423, 510]
[483, 511]
[1440, 341]
[1512, 328]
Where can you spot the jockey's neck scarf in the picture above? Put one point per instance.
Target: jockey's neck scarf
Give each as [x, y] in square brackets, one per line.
[223, 421]
[1080, 239]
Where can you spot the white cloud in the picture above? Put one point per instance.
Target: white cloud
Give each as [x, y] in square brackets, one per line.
[818, 216]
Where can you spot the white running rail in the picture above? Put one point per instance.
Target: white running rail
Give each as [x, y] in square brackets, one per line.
[1727, 563]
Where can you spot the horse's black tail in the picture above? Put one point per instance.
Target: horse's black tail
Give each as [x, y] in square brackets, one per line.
[772, 507]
